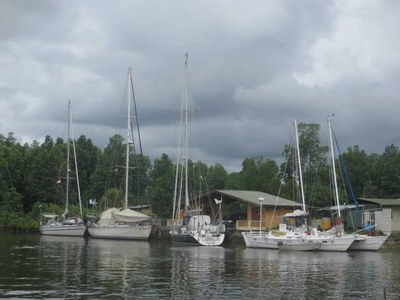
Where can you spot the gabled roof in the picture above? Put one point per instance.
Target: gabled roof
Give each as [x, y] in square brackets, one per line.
[254, 196]
[383, 202]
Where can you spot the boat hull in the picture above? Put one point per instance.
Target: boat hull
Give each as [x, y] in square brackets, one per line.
[184, 239]
[299, 246]
[211, 239]
[198, 240]
[333, 243]
[121, 232]
[63, 230]
[368, 243]
[253, 240]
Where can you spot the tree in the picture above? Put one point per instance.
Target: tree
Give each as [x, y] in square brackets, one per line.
[42, 170]
[108, 172]
[356, 164]
[259, 174]
[313, 166]
[162, 186]
[388, 173]
[216, 177]
[87, 154]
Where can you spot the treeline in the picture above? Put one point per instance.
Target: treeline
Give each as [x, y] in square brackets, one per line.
[32, 177]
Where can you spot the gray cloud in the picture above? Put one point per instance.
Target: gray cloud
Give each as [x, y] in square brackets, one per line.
[254, 68]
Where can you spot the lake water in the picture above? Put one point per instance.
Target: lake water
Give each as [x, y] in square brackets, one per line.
[44, 267]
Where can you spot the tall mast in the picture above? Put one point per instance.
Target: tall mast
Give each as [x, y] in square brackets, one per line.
[71, 134]
[299, 166]
[139, 140]
[186, 131]
[68, 154]
[333, 165]
[129, 139]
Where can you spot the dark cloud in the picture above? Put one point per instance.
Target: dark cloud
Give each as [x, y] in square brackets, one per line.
[255, 67]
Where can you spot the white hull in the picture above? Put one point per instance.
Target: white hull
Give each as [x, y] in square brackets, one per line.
[368, 243]
[271, 240]
[255, 240]
[334, 243]
[299, 245]
[63, 230]
[211, 239]
[123, 232]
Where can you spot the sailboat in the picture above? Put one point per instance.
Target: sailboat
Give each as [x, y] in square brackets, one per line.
[286, 239]
[68, 226]
[363, 242]
[339, 242]
[334, 239]
[123, 223]
[190, 225]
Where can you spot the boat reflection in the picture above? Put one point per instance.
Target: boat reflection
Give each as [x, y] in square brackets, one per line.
[197, 272]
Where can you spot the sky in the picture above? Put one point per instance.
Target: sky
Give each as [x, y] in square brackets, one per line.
[255, 66]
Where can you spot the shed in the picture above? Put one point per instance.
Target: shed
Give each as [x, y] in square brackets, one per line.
[272, 207]
[385, 213]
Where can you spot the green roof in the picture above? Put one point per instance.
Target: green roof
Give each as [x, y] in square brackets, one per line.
[254, 196]
[385, 202]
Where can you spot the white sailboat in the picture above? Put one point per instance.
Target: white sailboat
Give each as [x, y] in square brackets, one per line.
[364, 242]
[329, 242]
[191, 226]
[338, 241]
[361, 242]
[284, 238]
[123, 223]
[67, 226]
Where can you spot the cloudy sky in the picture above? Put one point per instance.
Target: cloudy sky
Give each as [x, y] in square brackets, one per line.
[255, 66]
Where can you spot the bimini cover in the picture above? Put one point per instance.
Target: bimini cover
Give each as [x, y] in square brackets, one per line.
[128, 216]
[106, 217]
[296, 213]
[49, 215]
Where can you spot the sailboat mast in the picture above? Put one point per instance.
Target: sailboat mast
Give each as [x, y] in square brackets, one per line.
[299, 166]
[186, 132]
[333, 165]
[129, 140]
[68, 154]
[75, 159]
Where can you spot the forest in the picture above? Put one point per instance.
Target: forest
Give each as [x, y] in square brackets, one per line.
[32, 176]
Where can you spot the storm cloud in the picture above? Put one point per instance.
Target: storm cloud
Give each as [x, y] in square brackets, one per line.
[255, 66]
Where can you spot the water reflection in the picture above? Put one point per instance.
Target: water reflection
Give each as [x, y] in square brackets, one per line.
[41, 267]
[119, 267]
[197, 272]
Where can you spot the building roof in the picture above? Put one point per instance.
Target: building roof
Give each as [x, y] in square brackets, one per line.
[253, 197]
[382, 202]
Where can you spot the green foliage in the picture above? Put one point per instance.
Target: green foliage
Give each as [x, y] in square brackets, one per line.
[17, 221]
[162, 186]
[259, 174]
[217, 177]
[28, 176]
[114, 198]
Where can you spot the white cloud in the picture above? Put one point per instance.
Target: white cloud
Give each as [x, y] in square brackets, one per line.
[363, 45]
[255, 66]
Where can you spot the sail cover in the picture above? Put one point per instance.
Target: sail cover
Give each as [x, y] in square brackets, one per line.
[128, 216]
[106, 216]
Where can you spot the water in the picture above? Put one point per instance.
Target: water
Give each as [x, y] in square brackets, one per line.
[43, 267]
